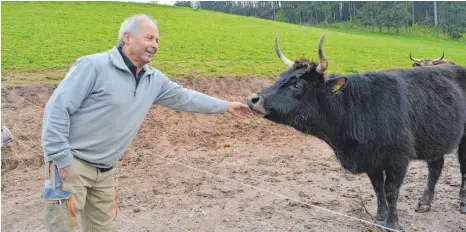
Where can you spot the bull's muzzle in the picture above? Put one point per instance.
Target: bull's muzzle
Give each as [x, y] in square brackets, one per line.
[256, 104]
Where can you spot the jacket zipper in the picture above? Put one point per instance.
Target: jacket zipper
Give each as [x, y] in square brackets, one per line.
[136, 82]
[135, 85]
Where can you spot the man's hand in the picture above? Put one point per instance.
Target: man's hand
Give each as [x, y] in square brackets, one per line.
[63, 172]
[239, 110]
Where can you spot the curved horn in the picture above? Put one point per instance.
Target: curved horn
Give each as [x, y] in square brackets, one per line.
[323, 62]
[413, 59]
[285, 60]
[443, 53]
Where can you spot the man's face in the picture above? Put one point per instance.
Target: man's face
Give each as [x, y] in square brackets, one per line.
[144, 44]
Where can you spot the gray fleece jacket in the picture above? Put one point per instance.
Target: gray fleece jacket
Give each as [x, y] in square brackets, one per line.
[97, 109]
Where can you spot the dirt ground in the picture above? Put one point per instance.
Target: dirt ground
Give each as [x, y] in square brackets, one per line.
[194, 172]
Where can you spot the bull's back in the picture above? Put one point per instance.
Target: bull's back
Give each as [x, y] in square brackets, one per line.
[437, 111]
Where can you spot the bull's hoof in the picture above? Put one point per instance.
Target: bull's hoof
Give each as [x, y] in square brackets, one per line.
[392, 225]
[422, 207]
[463, 207]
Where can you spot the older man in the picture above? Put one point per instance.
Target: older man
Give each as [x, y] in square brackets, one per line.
[93, 116]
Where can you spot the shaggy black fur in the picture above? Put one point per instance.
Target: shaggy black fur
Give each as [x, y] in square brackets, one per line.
[376, 122]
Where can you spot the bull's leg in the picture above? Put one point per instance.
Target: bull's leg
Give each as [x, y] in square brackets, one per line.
[435, 169]
[462, 161]
[378, 183]
[394, 179]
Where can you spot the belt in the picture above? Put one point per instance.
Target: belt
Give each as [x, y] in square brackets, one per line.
[100, 169]
[105, 169]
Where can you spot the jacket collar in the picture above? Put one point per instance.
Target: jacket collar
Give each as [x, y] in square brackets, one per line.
[118, 61]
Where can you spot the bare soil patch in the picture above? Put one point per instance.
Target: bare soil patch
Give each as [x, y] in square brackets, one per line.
[158, 194]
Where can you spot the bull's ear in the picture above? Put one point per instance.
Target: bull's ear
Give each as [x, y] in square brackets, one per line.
[338, 84]
[416, 65]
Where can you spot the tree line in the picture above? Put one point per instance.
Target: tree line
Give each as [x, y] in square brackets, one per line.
[392, 17]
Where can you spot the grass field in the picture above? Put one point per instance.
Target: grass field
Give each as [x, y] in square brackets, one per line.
[52, 35]
[194, 172]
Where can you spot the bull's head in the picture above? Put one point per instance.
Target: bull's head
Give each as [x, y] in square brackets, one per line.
[299, 92]
[430, 62]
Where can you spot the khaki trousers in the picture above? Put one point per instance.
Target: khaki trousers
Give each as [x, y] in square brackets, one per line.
[92, 205]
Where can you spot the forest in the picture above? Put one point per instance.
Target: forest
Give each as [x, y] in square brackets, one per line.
[436, 18]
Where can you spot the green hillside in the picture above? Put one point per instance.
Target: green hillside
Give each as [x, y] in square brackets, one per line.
[52, 35]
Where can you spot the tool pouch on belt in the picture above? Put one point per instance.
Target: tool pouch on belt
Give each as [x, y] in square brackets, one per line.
[59, 214]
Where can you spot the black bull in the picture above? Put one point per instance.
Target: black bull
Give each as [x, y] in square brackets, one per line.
[376, 122]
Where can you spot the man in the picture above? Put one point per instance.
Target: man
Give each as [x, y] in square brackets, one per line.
[93, 116]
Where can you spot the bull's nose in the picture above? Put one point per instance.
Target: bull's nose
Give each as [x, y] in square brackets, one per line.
[256, 104]
[253, 100]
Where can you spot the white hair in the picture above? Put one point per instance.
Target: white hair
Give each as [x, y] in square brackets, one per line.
[131, 25]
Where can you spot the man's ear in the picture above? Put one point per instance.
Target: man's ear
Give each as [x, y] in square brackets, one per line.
[126, 36]
[338, 84]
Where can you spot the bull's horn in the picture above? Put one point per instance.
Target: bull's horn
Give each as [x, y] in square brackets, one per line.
[285, 60]
[443, 53]
[323, 63]
[413, 59]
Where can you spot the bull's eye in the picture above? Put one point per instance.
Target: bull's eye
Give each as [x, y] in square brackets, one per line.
[298, 86]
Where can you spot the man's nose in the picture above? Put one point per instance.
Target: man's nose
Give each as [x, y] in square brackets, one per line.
[154, 44]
